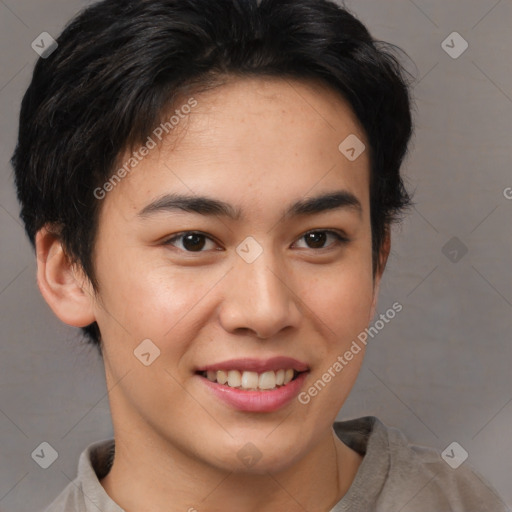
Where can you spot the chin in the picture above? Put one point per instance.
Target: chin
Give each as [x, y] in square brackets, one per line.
[257, 456]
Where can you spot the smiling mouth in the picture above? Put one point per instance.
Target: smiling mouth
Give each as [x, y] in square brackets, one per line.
[252, 381]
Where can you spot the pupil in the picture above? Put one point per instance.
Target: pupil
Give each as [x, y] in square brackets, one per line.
[316, 238]
[193, 241]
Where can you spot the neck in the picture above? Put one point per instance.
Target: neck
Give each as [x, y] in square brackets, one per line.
[148, 475]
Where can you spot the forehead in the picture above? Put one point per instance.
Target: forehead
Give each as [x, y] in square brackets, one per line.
[252, 108]
[259, 140]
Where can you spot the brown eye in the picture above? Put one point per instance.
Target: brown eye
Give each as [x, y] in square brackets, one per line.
[190, 241]
[193, 242]
[317, 239]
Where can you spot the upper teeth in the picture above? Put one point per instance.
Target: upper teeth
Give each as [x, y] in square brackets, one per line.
[251, 380]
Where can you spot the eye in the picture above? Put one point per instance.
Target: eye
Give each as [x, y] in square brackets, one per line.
[195, 241]
[317, 239]
[191, 241]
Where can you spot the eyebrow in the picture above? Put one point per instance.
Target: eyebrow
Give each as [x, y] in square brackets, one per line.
[341, 199]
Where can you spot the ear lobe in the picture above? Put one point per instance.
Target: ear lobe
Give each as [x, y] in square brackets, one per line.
[383, 258]
[376, 288]
[70, 296]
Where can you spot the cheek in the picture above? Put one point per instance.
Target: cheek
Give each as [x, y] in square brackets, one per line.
[342, 299]
[145, 299]
[149, 298]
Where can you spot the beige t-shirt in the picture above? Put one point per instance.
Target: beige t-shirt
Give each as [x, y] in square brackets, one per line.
[394, 476]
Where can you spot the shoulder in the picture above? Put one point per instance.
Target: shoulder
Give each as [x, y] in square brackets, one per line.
[428, 479]
[70, 499]
[85, 493]
[398, 475]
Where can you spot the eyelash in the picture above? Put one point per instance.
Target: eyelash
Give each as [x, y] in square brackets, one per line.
[340, 239]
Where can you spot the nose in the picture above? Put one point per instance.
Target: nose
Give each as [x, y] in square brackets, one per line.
[259, 298]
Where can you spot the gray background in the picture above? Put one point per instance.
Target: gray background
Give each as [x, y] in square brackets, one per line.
[440, 371]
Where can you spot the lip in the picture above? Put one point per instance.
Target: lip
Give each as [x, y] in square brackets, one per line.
[256, 401]
[257, 365]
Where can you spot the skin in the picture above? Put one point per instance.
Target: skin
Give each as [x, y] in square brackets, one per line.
[259, 144]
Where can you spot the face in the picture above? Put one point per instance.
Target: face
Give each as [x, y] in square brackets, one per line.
[261, 281]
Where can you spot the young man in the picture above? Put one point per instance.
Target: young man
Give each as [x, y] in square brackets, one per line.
[210, 187]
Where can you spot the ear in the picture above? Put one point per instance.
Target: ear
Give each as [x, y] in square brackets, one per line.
[383, 258]
[66, 290]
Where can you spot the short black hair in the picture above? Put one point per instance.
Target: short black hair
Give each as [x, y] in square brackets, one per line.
[121, 64]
